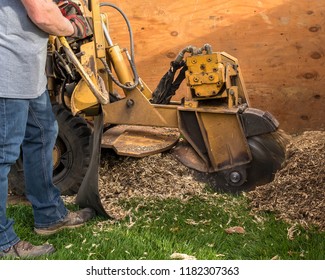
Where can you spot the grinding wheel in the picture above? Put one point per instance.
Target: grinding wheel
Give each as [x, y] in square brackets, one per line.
[268, 155]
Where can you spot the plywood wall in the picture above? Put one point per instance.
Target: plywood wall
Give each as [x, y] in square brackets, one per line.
[280, 45]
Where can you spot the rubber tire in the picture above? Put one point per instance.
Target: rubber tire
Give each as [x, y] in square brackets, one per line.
[73, 142]
[268, 156]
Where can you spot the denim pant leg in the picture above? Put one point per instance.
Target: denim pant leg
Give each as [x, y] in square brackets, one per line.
[13, 118]
[40, 136]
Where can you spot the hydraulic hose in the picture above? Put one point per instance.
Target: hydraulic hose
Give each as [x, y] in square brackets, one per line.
[105, 4]
[130, 58]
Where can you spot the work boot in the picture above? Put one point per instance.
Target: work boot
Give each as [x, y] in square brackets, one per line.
[72, 220]
[24, 249]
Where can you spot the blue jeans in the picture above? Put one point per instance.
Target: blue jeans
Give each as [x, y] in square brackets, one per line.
[30, 124]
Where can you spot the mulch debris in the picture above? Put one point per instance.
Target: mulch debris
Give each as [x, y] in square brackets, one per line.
[297, 194]
[158, 176]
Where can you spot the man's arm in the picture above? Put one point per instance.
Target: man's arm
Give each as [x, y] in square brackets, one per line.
[48, 17]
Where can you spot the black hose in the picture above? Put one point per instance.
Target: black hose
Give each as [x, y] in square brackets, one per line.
[127, 23]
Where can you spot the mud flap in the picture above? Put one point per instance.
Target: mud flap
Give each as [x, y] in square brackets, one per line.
[88, 194]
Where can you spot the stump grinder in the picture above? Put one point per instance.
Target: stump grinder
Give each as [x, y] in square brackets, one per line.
[101, 102]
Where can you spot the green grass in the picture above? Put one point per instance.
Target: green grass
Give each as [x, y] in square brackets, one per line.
[196, 227]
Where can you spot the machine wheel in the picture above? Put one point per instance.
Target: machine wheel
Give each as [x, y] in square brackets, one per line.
[268, 155]
[71, 155]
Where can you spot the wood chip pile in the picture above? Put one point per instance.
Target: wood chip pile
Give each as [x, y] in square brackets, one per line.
[297, 195]
[156, 176]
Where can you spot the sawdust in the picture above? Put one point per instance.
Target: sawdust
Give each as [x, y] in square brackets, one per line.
[297, 194]
[158, 176]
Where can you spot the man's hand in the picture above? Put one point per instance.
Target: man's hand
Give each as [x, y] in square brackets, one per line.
[47, 16]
